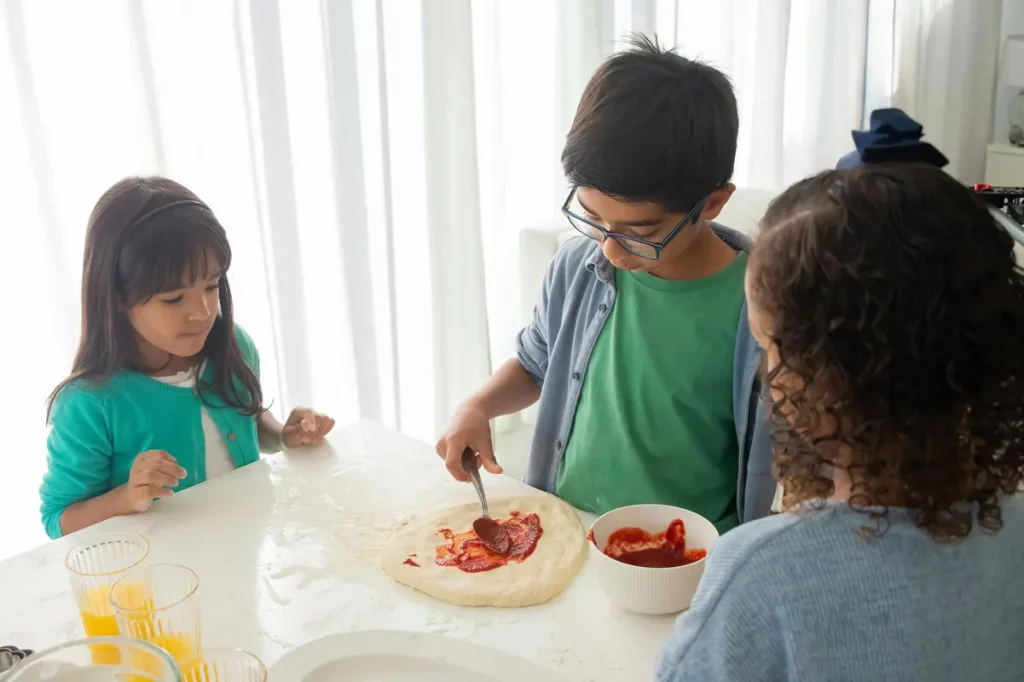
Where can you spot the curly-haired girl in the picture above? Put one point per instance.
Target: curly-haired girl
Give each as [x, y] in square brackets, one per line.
[892, 316]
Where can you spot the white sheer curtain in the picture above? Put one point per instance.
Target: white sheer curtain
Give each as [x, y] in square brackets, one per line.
[945, 72]
[372, 161]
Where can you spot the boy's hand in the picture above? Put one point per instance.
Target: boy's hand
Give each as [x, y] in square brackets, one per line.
[153, 474]
[305, 427]
[469, 428]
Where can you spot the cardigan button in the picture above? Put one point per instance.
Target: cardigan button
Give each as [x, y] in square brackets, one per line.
[231, 436]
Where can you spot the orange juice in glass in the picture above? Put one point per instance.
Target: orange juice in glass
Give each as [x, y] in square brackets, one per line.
[224, 665]
[94, 566]
[160, 604]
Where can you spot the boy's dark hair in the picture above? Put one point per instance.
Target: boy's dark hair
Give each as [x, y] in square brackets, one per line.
[144, 236]
[897, 310]
[653, 125]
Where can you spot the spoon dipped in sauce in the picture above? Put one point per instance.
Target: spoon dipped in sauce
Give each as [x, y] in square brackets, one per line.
[490, 532]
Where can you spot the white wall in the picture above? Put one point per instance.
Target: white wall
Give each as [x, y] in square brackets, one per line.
[1013, 24]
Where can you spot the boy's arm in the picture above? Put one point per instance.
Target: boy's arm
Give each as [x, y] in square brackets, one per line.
[517, 383]
[514, 387]
[509, 390]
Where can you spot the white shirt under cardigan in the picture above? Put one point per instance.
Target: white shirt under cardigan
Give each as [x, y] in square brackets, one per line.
[218, 458]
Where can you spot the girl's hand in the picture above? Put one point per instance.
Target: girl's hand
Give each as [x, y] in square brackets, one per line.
[153, 474]
[305, 427]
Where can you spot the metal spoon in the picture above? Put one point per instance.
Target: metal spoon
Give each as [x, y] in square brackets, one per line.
[490, 532]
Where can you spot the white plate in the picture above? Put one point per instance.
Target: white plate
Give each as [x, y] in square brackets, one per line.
[400, 656]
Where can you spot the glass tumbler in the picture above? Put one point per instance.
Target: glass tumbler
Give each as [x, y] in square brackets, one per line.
[224, 665]
[93, 567]
[160, 604]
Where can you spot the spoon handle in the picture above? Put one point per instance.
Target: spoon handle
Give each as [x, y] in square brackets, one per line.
[472, 466]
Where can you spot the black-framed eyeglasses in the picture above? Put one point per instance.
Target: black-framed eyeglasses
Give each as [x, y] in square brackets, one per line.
[635, 245]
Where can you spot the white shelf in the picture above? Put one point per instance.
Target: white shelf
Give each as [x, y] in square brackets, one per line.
[1005, 148]
[1004, 165]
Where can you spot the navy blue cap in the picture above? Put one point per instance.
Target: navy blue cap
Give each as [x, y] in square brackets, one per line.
[893, 136]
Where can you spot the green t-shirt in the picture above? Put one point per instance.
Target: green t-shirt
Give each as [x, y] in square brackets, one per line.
[654, 424]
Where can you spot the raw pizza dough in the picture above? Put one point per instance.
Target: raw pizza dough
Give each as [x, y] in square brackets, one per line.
[560, 553]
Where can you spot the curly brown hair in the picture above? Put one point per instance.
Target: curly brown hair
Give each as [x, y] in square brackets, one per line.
[895, 312]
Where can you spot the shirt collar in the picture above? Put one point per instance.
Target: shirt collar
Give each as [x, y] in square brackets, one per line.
[601, 266]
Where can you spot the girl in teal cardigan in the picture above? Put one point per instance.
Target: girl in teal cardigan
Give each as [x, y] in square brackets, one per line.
[164, 391]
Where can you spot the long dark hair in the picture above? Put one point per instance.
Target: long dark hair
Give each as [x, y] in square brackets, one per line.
[893, 300]
[138, 245]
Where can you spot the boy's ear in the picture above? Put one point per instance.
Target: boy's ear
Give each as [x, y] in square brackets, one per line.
[717, 201]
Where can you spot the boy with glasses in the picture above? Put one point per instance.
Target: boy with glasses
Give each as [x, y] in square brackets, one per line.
[639, 350]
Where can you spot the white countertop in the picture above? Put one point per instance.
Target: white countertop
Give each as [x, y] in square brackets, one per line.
[286, 551]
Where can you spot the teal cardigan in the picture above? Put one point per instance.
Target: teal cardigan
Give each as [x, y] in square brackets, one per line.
[97, 430]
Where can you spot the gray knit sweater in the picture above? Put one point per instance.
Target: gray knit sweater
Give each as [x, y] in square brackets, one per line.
[804, 598]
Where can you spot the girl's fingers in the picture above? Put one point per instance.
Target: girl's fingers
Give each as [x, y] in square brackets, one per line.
[160, 460]
[157, 456]
[169, 469]
[146, 493]
[299, 416]
[324, 424]
[160, 491]
[310, 429]
[153, 477]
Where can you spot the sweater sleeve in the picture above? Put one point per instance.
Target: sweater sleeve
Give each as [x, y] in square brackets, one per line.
[250, 354]
[731, 631]
[79, 457]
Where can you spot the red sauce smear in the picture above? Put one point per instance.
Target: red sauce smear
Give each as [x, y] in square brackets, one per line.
[466, 552]
[637, 547]
[410, 562]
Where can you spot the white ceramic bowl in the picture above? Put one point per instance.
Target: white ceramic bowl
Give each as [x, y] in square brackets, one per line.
[650, 590]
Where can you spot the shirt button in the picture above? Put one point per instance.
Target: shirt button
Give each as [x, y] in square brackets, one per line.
[558, 445]
[231, 436]
[603, 308]
[576, 376]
